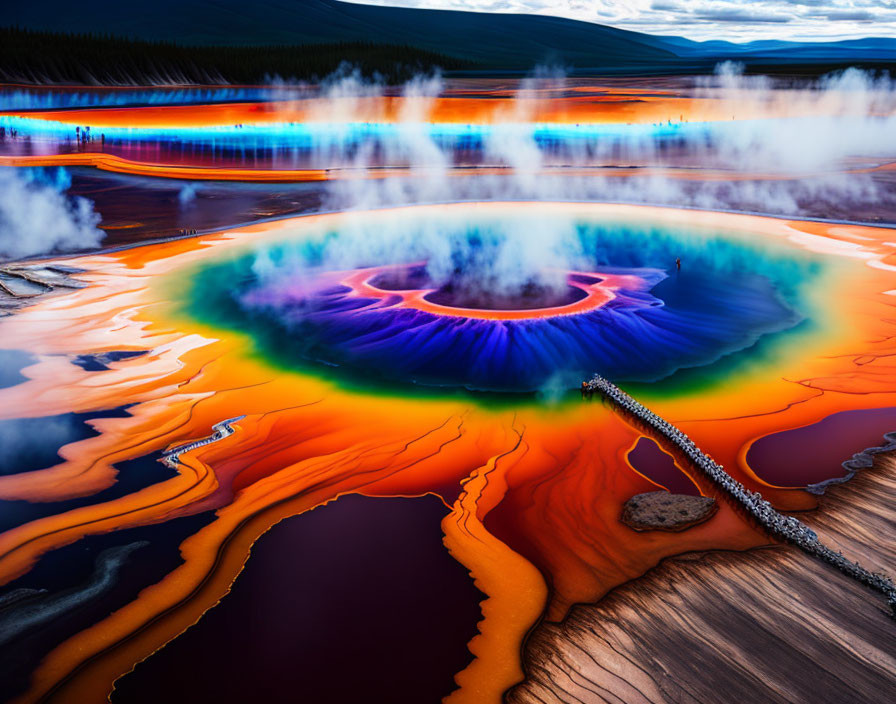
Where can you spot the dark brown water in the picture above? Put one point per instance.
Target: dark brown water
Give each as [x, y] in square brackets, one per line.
[658, 466]
[355, 601]
[815, 452]
[137, 208]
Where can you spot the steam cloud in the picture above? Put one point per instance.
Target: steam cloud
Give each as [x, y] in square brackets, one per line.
[784, 151]
[186, 195]
[36, 216]
[789, 150]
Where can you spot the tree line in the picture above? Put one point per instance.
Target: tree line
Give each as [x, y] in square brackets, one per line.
[28, 56]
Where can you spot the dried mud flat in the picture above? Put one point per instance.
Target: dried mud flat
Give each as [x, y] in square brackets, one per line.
[770, 625]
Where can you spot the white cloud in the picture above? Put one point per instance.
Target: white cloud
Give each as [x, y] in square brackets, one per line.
[809, 20]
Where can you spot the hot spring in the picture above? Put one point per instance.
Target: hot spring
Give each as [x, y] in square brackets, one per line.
[499, 299]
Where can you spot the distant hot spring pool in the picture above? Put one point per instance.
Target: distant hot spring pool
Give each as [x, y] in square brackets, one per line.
[499, 300]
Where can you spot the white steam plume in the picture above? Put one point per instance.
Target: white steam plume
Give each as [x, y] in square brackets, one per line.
[36, 217]
[788, 151]
[808, 128]
[187, 195]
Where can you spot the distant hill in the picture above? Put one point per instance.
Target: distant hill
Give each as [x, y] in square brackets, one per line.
[492, 42]
[499, 41]
[870, 48]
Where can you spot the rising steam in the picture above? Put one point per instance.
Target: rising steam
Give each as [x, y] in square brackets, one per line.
[780, 149]
[36, 216]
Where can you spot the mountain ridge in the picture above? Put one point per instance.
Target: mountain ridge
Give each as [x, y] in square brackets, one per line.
[495, 41]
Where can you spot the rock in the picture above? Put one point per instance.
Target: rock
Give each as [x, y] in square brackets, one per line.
[660, 510]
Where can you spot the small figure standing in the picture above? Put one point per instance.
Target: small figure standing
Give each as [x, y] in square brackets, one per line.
[678, 263]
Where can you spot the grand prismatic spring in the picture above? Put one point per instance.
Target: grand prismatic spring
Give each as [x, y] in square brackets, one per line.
[291, 402]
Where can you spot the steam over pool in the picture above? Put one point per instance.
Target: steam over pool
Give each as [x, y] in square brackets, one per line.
[446, 298]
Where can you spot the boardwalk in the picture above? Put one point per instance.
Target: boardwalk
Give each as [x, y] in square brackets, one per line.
[221, 431]
[786, 528]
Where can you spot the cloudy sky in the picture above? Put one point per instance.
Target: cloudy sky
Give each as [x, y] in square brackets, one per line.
[737, 20]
